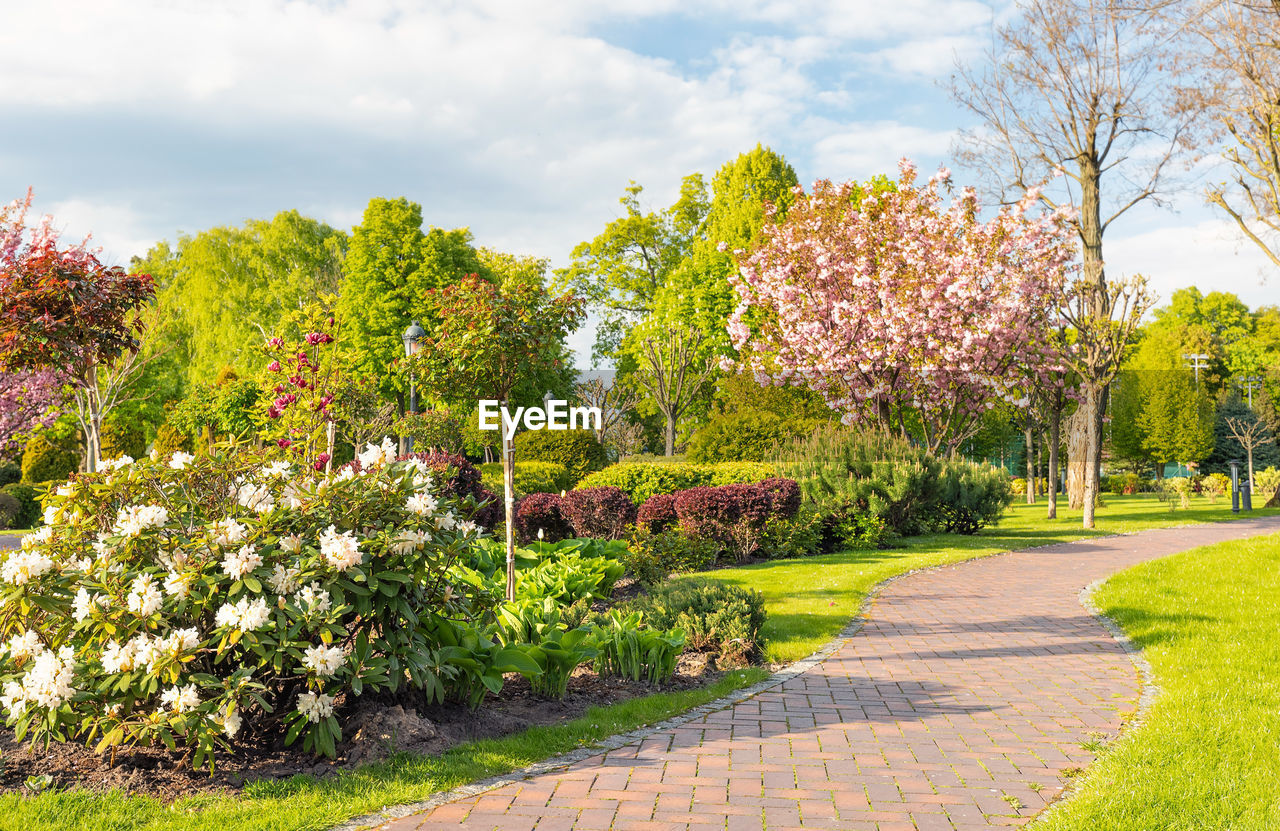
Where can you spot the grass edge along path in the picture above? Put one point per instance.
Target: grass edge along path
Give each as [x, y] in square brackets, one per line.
[1205, 754]
[810, 602]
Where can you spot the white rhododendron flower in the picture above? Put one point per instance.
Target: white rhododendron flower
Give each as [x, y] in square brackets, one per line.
[277, 470]
[13, 701]
[68, 489]
[85, 602]
[24, 645]
[228, 532]
[342, 551]
[177, 584]
[377, 455]
[231, 724]
[115, 464]
[181, 699]
[345, 474]
[180, 459]
[144, 596]
[50, 515]
[24, 565]
[255, 497]
[133, 520]
[323, 660]
[312, 599]
[422, 504]
[293, 494]
[284, 580]
[468, 527]
[240, 563]
[315, 706]
[409, 541]
[117, 658]
[48, 683]
[292, 544]
[180, 641]
[447, 522]
[245, 615]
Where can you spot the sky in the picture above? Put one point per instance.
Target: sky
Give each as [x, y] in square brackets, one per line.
[138, 120]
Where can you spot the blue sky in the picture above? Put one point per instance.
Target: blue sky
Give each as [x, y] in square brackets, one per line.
[140, 119]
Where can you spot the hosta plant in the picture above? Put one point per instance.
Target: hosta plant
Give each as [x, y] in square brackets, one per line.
[186, 601]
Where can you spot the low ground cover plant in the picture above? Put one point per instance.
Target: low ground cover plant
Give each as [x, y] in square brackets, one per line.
[715, 617]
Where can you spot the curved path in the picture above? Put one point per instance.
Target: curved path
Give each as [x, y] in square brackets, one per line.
[958, 705]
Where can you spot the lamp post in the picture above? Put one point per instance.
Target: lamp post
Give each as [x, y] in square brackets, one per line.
[412, 338]
[1250, 382]
[1197, 361]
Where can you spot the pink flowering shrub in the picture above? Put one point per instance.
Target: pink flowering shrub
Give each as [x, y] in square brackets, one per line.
[190, 601]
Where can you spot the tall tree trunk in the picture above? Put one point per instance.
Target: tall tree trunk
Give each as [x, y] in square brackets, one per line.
[671, 435]
[1087, 419]
[1092, 447]
[1031, 470]
[1055, 426]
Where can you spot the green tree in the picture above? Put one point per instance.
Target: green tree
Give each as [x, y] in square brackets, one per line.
[621, 270]
[391, 265]
[224, 290]
[1177, 419]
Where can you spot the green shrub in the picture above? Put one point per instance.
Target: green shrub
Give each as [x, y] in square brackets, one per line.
[10, 509]
[177, 599]
[169, 440]
[652, 557]
[844, 471]
[48, 458]
[578, 450]
[28, 515]
[800, 536]
[123, 435]
[642, 480]
[1215, 485]
[530, 477]
[1267, 482]
[744, 436]
[10, 473]
[714, 617]
[627, 650]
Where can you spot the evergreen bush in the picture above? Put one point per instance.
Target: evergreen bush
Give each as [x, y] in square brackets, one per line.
[578, 450]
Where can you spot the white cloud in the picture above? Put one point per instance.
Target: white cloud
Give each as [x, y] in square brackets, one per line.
[858, 151]
[1210, 254]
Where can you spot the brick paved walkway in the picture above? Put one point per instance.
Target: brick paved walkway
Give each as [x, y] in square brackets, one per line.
[959, 705]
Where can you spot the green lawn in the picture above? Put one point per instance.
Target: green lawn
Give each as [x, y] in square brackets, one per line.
[1207, 755]
[810, 600]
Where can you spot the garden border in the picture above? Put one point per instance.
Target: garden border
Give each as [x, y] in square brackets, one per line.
[788, 672]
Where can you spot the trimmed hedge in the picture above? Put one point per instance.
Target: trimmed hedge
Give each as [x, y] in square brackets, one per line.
[742, 437]
[604, 513]
[29, 510]
[531, 477]
[641, 480]
[658, 513]
[10, 473]
[578, 450]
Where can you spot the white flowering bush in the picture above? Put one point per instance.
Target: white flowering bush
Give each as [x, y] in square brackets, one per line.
[187, 600]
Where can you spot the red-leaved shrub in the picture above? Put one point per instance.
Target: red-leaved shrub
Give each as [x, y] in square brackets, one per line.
[603, 513]
[542, 512]
[784, 495]
[658, 513]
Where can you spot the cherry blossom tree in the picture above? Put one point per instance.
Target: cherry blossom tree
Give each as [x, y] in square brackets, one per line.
[28, 400]
[60, 307]
[901, 309]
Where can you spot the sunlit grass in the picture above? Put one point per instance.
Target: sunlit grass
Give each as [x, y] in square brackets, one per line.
[811, 599]
[1207, 755]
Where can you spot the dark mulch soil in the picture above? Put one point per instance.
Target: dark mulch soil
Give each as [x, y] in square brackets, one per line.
[374, 729]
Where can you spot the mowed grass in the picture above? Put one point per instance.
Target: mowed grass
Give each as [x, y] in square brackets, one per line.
[304, 802]
[1207, 755]
[810, 600]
